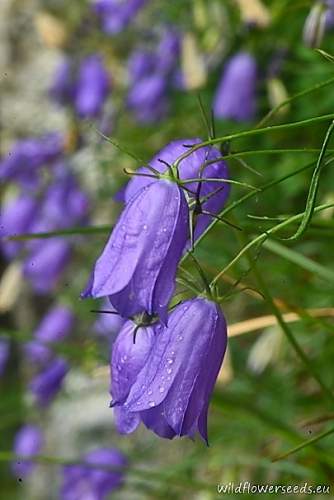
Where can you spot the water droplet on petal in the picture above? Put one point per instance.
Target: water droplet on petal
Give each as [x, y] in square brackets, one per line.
[170, 361]
[161, 389]
[151, 404]
[179, 338]
[149, 392]
[169, 370]
[145, 227]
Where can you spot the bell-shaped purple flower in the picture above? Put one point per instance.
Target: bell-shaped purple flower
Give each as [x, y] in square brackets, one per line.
[236, 94]
[138, 265]
[83, 482]
[56, 324]
[63, 87]
[128, 359]
[140, 64]
[28, 443]
[115, 15]
[93, 86]
[108, 325]
[147, 98]
[190, 168]
[168, 384]
[17, 217]
[4, 354]
[48, 382]
[27, 156]
[37, 353]
[168, 51]
[45, 264]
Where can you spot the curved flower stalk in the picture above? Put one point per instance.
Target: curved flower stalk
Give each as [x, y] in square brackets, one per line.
[137, 267]
[215, 193]
[28, 443]
[236, 94]
[91, 483]
[167, 377]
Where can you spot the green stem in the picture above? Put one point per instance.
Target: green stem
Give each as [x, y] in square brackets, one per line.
[304, 444]
[263, 236]
[249, 133]
[308, 91]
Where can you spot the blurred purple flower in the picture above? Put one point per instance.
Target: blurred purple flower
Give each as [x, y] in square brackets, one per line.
[147, 98]
[55, 325]
[4, 354]
[37, 353]
[236, 94]
[106, 324]
[28, 443]
[190, 169]
[140, 64]
[27, 156]
[46, 262]
[93, 84]
[45, 385]
[138, 265]
[17, 217]
[116, 15]
[166, 379]
[82, 482]
[168, 51]
[63, 86]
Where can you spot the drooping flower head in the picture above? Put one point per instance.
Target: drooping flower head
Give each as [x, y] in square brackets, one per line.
[56, 324]
[46, 384]
[63, 87]
[85, 482]
[235, 97]
[92, 87]
[27, 156]
[107, 324]
[166, 378]
[28, 443]
[17, 217]
[315, 25]
[116, 15]
[45, 264]
[137, 268]
[190, 168]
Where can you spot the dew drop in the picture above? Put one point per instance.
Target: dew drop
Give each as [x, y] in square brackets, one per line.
[149, 392]
[169, 370]
[170, 361]
[151, 404]
[179, 338]
[161, 389]
[145, 227]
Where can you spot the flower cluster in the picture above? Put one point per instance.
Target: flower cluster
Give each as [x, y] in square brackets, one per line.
[151, 75]
[164, 361]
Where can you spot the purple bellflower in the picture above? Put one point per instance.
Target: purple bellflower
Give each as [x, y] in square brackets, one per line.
[116, 15]
[56, 324]
[108, 325]
[189, 168]
[166, 378]
[82, 482]
[28, 156]
[138, 265]
[63, 87]
[37, 353]
[147, 98]
[4, 354]
[236, 94]
[46, 384]
[28, 443]
[92, 87]
[45, 264]
[17, 217]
